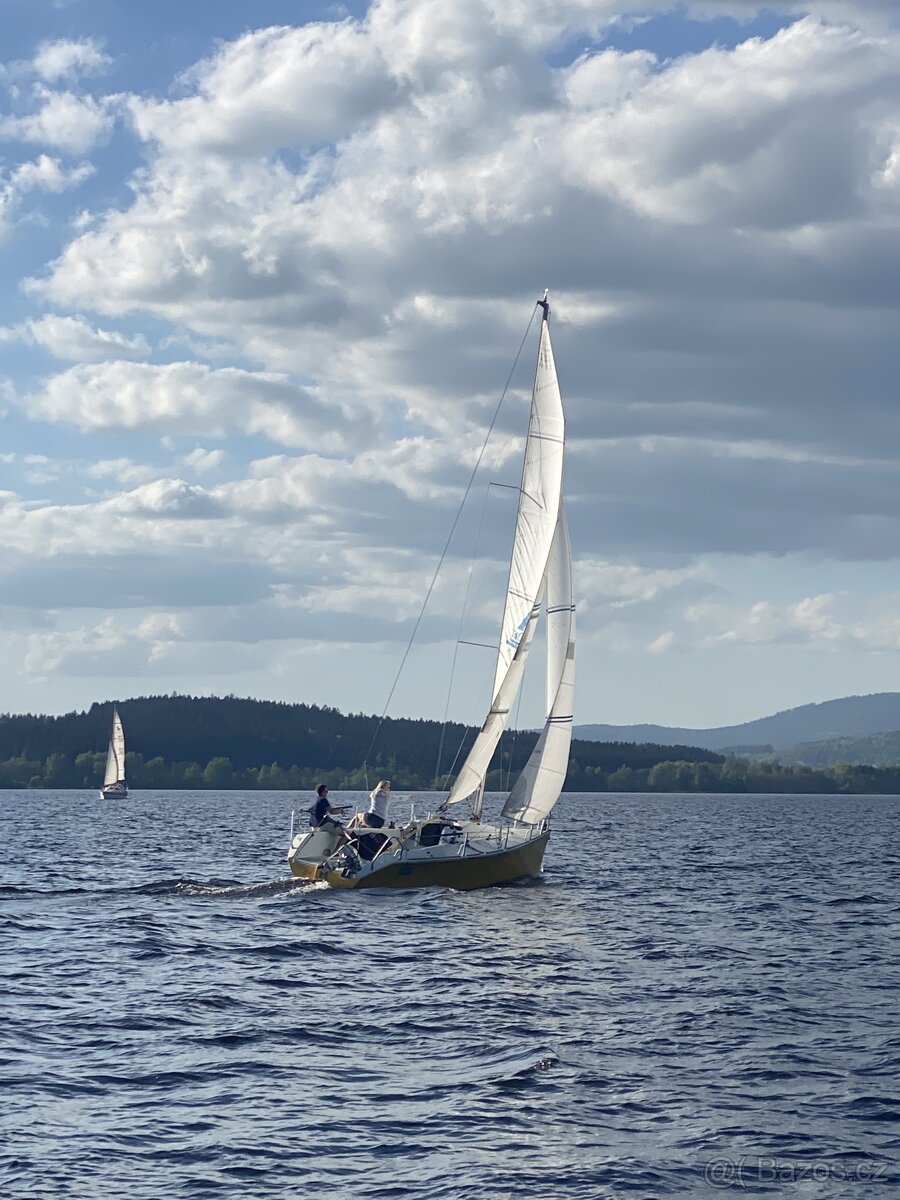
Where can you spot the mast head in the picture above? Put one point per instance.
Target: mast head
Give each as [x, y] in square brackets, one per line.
[545, 304]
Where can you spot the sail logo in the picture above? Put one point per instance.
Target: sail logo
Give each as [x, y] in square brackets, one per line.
[516, 636]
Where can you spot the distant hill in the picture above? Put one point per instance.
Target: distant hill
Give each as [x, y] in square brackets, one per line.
[852, 717]
[876, 750]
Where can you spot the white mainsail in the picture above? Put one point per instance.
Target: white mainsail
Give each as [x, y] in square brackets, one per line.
[536, 520]
[115, 755]
[539, 498]
[538, 787]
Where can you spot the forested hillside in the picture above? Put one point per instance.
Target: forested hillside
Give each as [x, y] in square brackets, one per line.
[877, 750]
[184, 741]
[250, 733]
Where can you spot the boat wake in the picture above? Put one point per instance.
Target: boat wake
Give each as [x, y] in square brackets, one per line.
[234, 889]
[229, 888]
[514, 1069]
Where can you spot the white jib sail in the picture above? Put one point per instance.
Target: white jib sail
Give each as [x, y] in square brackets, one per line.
[536, 516]
[538, 787]
[478, 760]
[115, 755]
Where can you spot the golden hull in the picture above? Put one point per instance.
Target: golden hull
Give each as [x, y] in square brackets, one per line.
[462, 874]
[305, 870]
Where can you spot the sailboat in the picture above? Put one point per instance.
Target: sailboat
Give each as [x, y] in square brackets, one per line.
[463, 851]
[114, 784]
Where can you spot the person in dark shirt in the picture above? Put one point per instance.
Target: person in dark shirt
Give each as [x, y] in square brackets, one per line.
[320, 815]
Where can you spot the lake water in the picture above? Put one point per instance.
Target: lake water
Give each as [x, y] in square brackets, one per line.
[698, 998]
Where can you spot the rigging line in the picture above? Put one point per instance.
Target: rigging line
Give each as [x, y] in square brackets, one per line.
[462, 617]
[460, 747]
[481, 453]
[462, 741]
[452, 766]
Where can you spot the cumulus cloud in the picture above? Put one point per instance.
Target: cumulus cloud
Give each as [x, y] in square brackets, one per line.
[764, 622]
[117, 648]
[47, 652]
[625, 585]
[62, 120]
[67, 59]
[767, 134]
[829, 621]
[75, 339]
[664, 642]
[166, 497]
[159, 646]
[274, 88]
[185, 398]
[42, 174]
[201, 460]
[121, 471]
[49, 175]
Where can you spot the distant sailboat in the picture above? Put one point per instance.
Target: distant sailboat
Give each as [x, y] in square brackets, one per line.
[465, 852]
[114, 784]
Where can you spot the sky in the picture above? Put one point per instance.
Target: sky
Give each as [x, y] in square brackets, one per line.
[266, 269]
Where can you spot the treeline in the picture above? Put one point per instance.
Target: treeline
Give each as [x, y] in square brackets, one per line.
[187, 742]
[609, 766]
[741, 775]
[86, 770]
[728, 775]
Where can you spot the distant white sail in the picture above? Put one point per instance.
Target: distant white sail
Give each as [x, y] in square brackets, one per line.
[537, 789]
[115, 755]
[536, 518]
